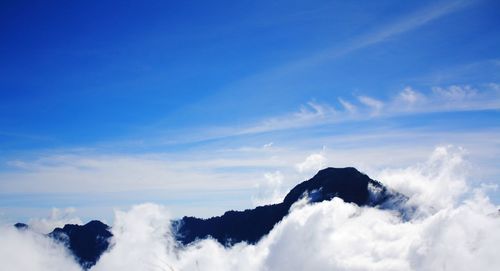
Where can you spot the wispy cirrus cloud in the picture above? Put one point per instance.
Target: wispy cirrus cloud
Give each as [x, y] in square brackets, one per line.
[410, 96]
[455, 93]
[224, 168]
[405, 24]
[206, 181]
[272, 77]
[311, 114]
[347, 105]
[408, 101]
[374, 104]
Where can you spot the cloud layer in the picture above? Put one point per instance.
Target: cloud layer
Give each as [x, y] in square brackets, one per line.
[26, 250]
[454, 227]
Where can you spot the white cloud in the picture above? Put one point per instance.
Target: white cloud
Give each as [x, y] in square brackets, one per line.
[310, 114]
[461, 231]
[455, 92]
[141, 240]
[408, 101]
[349, 107]
[410, 96]
[451, 98]
[57, 218]
[114, 173]
[268, 145]
[494, 87]
[213, 169]
[373, 103]
[435, 184]
[406, 23]
[320, 109]
[409, 22]
[30, 251]
[342, 236]
[312, 163]
[271, 190]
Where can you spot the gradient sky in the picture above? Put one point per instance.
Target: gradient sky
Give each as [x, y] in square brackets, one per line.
[212, 105]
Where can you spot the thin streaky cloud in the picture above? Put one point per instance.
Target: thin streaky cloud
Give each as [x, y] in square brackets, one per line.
[309, 115]
[405, 24]
[347, 105]
[209, 171]
[467, 72]
[408, 101]
[373, 103]
[411, 22]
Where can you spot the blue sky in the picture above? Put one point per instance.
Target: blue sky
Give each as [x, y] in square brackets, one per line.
[193, 103]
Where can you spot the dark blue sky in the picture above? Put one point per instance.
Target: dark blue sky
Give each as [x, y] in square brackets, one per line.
[174, 76]
[75, 72]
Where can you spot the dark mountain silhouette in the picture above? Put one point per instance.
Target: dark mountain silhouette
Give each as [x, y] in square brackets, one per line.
[21, 226]
[88, 242]
[251, 225]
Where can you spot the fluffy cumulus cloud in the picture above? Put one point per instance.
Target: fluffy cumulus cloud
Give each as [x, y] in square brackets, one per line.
[141, 240]
[312, 163]
[435, 184]
[455, 227]
[271, 190]
[29, 251]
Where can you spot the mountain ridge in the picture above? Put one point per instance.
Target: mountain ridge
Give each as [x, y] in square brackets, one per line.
[251, 225]
[88, 242]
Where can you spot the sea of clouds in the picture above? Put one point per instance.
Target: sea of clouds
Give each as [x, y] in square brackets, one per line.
[454, 227]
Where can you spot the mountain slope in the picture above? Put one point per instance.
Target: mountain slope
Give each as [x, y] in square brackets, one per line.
[88, 242]
[251, 225]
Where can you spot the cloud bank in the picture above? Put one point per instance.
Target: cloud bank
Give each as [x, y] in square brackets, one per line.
[26, 250]
[455, 227]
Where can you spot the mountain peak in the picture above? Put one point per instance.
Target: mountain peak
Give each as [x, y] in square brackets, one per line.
[21, 226]
[346, 183]
[88, 242]
[251, 225]
[330, 170]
